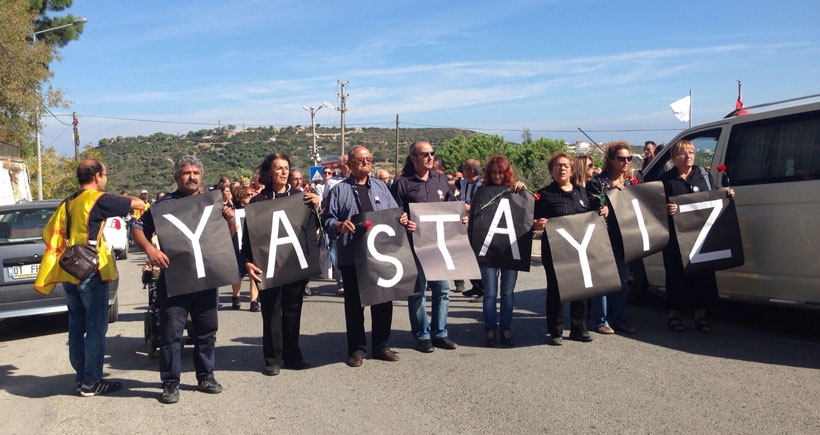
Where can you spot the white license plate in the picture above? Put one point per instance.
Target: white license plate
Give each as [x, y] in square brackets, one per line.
[25, 271]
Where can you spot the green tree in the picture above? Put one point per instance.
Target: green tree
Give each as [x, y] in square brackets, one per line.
[526, 136]
[46, 20]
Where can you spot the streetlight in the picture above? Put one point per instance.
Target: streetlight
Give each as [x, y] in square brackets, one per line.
[315, 151]
[37, 130]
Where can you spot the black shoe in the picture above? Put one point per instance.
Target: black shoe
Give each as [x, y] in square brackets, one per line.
[99, 387]
[555, 340]
[255, 306]
[425, 346]
[307, 291]
[210, 386]
[583, 337]
[506, 339]
[473, 292]
[444, 343]
[489, 338]
[297, 365]
[170, 393]
[459, 287]
[271, 370]
[235, 303]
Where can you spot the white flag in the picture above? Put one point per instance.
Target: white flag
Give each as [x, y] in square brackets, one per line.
[681, 108]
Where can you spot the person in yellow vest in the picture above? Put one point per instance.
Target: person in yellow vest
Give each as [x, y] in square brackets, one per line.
[87, 301]
[137, 213]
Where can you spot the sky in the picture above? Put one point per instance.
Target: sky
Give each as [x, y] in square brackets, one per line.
[609, 67]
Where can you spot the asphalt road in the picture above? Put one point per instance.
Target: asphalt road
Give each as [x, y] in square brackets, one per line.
[756, 373]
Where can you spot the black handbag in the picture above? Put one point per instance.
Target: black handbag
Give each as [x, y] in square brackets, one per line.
[79, 260]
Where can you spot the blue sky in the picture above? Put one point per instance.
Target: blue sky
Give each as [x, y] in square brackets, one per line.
[609, 67]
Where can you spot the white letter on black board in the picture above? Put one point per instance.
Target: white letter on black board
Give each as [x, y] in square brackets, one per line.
[582, 252]
[371, 247]
[502, 210]
[275, 241]
[194, 237]
[439, 219]
[696, 256]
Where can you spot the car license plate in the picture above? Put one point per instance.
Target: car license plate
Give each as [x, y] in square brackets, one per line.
[25, 271]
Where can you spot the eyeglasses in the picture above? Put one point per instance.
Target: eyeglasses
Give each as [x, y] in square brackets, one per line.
[562, 165]
[623, 159]
[685, 153]
[364, 160]
[426, 154]
[327, 172]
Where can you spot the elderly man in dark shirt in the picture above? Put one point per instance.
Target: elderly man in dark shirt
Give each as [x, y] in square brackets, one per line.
[420, 183]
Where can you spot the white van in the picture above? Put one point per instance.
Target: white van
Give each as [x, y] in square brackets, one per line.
[772, 159]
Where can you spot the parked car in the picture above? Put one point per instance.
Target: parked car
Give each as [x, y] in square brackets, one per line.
[21, 249]
[772, 161]
[116, 237]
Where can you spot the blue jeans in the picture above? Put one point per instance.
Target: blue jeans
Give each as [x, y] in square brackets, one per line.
[87, 324]
[418, 311]
[610, 310]
[489, 279]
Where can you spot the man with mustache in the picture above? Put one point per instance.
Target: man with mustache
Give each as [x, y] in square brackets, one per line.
[174, 310]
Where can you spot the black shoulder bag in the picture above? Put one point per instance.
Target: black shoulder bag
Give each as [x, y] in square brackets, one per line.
[79, 260]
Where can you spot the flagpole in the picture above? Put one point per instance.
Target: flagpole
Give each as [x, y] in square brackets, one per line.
[690, 108]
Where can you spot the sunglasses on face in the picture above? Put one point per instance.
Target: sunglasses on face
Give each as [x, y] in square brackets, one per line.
[426, 154]
[327, 172]
[623, 159]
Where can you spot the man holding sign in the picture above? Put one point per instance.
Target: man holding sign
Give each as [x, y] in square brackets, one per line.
[420, 183]
[174, 310]
[357, 194]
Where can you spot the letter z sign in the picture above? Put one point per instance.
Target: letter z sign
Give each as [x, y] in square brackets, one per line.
[707, 231]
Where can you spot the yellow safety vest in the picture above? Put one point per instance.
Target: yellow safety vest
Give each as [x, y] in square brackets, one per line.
[50, 272]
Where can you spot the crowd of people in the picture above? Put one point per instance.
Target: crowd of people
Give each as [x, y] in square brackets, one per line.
[576, 187]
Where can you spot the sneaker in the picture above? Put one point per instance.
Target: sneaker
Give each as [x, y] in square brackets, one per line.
[425, 346]
[255, 306]
[459, 287]
[340, 291]
[555, 340]
[506, 339]
[79, 387]
[210, 386]
[489, 338]
[235, 303]
[473, 292]
[307, 290]
[170, 393]
[99, 387]
[444, 343]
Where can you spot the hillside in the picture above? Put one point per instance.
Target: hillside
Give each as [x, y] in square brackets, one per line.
[146, 162]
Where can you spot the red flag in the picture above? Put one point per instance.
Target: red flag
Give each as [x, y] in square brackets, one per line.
[738, 106]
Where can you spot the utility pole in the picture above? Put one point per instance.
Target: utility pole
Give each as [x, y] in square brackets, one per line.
[76, 138]
[315, 151]
[396, 163]
[343, 109]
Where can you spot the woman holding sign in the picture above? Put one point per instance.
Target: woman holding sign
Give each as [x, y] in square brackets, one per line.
[697, 290]
[609, 312]
[281, 306]
[561, 198]
[498, 172]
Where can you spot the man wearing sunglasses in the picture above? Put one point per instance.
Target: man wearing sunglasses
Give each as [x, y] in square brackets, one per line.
[421, 183]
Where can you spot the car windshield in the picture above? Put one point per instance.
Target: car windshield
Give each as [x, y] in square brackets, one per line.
[24, 225]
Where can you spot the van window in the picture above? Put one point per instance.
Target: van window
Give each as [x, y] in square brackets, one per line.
[705, 143]
[777, 150]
